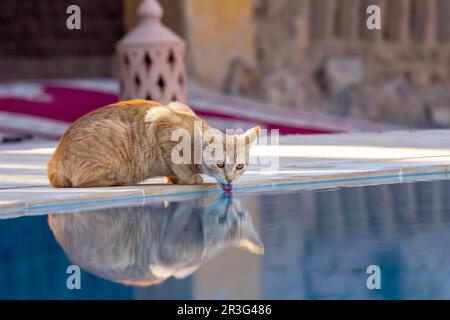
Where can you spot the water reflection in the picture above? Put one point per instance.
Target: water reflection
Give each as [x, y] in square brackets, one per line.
[146, 245]
[318, 245]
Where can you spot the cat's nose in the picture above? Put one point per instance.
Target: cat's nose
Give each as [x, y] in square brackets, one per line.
[229, 178]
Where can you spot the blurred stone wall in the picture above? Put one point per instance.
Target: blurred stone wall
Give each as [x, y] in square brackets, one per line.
[319, 55]
[398, 74]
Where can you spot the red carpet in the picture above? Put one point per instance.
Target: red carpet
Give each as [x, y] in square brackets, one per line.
[46, 110]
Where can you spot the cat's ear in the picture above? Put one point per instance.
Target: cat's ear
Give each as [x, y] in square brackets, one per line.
[156, 114]
[209, 139]
[180, 107]
[211, 135]
[252, 134]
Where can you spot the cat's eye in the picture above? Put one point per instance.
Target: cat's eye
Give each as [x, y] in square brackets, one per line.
[240, 166]
[220, 165]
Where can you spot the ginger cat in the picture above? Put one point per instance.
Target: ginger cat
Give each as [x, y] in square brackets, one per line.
[149, 244]
[130, 141]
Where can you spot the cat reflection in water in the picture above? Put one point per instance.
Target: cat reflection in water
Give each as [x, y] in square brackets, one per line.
[146, 245]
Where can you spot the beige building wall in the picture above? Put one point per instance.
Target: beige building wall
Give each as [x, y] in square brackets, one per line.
[218, 31]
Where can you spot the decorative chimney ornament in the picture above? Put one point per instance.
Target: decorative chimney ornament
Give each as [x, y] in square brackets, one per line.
[151, 59]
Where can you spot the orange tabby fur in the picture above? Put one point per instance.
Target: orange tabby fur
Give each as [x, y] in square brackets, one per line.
[126, 143]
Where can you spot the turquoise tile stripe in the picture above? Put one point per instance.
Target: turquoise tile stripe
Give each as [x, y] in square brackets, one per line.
[113, 201]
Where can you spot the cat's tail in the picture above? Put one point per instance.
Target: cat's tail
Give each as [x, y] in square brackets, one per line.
[56, 176]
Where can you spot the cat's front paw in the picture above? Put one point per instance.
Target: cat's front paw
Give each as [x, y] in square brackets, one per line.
[195, 179]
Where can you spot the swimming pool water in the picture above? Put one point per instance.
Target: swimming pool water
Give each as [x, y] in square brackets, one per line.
[289, 245]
